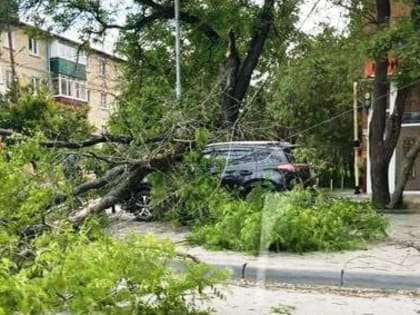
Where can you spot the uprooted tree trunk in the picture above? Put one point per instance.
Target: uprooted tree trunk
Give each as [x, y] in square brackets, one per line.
[404, 174]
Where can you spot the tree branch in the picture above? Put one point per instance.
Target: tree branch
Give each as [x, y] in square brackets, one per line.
[87, 142]
[96, 183]
[121, 191]
[167, 12]
[93, 140]
[262, 28]
[99, 182]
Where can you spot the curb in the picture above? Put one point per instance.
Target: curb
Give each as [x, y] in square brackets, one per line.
[340, 278]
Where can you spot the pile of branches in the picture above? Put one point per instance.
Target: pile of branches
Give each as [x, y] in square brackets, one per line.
[123, 173]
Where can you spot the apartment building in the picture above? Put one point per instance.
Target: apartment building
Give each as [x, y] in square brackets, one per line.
[410, 130]
[73, 77]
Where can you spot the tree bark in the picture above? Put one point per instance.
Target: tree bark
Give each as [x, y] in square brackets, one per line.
[121, 190]
[378, 159]
[236, 75]
[404, 173]
[377, 154]
[230, 105]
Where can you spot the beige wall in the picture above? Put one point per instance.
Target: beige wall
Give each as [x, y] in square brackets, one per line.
[98, 85]
[399, 8]
[27, 64]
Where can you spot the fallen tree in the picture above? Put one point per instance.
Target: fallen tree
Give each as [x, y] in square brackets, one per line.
[121, 179]
[125, 183]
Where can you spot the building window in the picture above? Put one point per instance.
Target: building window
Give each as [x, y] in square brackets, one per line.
[67, 51]
[69, 88]
[33, 46]
[104, 130]
[5, 40]
[103, 105]
[9, 78]
[36, 85]
[102, 67]
[64, 87]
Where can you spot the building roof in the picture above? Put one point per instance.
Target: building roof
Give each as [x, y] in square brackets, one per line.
[106, 52]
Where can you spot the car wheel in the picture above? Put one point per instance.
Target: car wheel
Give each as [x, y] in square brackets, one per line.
[141, 206]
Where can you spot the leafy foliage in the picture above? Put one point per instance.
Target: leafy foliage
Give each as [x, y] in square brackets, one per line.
[313, 95]
[29, 181]
[294, 221]
[186, 195]
[40, 113]
[84, 270]
[90, 272]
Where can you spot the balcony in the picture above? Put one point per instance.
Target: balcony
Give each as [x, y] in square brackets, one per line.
[60, 66]
[69, 90]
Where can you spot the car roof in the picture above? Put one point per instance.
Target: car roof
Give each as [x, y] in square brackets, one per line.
[247, 144]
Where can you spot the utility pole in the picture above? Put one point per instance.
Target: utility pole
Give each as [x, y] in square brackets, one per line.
[10, 39]
[356, 142]
[14, 85]
[177, 51]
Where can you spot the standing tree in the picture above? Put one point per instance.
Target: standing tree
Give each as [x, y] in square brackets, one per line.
[385, 129]
[208, 28]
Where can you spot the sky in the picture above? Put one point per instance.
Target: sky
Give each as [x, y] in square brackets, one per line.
[312, 13]
[323, 12]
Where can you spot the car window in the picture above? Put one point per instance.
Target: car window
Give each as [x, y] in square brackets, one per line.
[231, 154]
[282, 157]
[260, 155]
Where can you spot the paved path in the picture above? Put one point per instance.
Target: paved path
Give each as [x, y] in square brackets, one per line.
[260, 301]
[386, 264]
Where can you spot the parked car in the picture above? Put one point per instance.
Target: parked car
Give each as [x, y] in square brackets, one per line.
[246, 164]
[242, 165]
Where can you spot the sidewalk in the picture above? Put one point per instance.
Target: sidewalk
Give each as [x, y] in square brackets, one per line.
[242, 300]
[389, 264]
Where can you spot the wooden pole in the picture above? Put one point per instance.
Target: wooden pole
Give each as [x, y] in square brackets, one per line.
[356, 141]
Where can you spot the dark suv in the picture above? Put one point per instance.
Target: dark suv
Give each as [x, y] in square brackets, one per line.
[245, 164]
[242, 165]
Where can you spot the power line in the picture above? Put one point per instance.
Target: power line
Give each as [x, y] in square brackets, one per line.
[347, 111]
[309, 14]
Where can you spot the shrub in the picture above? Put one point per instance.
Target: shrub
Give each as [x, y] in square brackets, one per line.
[296, 221]
[81, 273]
[40, 113]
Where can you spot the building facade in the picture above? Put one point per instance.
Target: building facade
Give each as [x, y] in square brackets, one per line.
[73, 77]
[410, 130]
